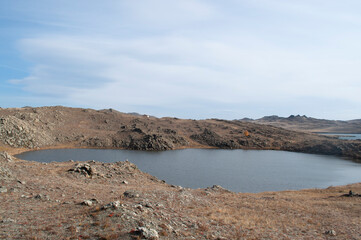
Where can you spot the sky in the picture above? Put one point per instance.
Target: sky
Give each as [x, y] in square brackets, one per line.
[184, 58]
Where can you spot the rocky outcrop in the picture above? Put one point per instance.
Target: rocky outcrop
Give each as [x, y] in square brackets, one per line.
[210, 138]
[15, 132]
[50, 126]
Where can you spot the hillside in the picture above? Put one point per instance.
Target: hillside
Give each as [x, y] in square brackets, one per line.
[47, 127]
[309, 124]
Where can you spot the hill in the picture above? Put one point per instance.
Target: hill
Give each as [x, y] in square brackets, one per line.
[309, 124]
[47, 127]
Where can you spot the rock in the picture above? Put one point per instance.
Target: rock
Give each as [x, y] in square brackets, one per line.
[8, 220]
[87, 203]
[19, 131]
[43, 197]
[14, 190]
[351, 194]
[115, 204]
[5, 173]
[3, 189]
[83, 168]
[7, 157]
[217, 188]
[146, 233]
[131, 194]
[21, 182]
[331, 232]
[124, 182]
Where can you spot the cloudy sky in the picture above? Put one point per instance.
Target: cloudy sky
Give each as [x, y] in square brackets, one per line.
[184, 58]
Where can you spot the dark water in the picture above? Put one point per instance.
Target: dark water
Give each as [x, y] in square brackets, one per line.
[236, 170]
[346, 136]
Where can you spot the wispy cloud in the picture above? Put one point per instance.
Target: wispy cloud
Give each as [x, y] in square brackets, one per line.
[198, 55]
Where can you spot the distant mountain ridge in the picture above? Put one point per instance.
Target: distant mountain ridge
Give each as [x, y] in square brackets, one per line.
[309, 124]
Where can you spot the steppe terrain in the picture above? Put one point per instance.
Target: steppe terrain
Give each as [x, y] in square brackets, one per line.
[93, 200]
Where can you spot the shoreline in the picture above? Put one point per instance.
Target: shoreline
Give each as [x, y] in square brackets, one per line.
[75, 147]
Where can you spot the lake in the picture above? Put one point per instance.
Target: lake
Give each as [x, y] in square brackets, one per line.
[237, 170]
[345, 136]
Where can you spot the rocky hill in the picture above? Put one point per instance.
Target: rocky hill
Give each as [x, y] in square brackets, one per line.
[309, 124]
[74, 127]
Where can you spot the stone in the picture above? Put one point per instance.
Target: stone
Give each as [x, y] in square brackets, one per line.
[8, 220]
[7, 157]
[3, 189]
[131, 194]
[43, 197]
[83, 168]
[124, 182]
[21, 182]
[331, 232]
[87, 203]
[115, 204]
[146, 233]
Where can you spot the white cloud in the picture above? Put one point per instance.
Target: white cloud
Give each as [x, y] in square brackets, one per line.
[165, 55]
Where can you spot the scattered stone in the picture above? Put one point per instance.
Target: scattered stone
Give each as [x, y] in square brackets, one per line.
[139, 207]
[87, 203]
[115, 204]
[3, 189]
[331, 232]
[131, 194]
[5, 173]
[42, 196]
[217, 188]
[14, 190]
[146, 233]
[6, 156]
[83, 168]
[351, 194]
[8, 220]
[21, 182]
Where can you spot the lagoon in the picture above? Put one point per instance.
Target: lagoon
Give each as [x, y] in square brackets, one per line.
[236, 170]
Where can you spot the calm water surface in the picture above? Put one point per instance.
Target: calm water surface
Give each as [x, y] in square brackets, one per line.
[236, 170]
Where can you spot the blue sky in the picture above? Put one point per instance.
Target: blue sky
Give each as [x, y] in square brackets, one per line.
[189, 59]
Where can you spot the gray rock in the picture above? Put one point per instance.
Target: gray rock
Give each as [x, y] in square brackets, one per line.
[125, 182]
[331, 232]
[21, 182]
[42, 197]
[146, 233]
[87, 203]
[6, 156]
[83, 168]
[3, 189]
[8, 220]
[131, 194]
[115, 204]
